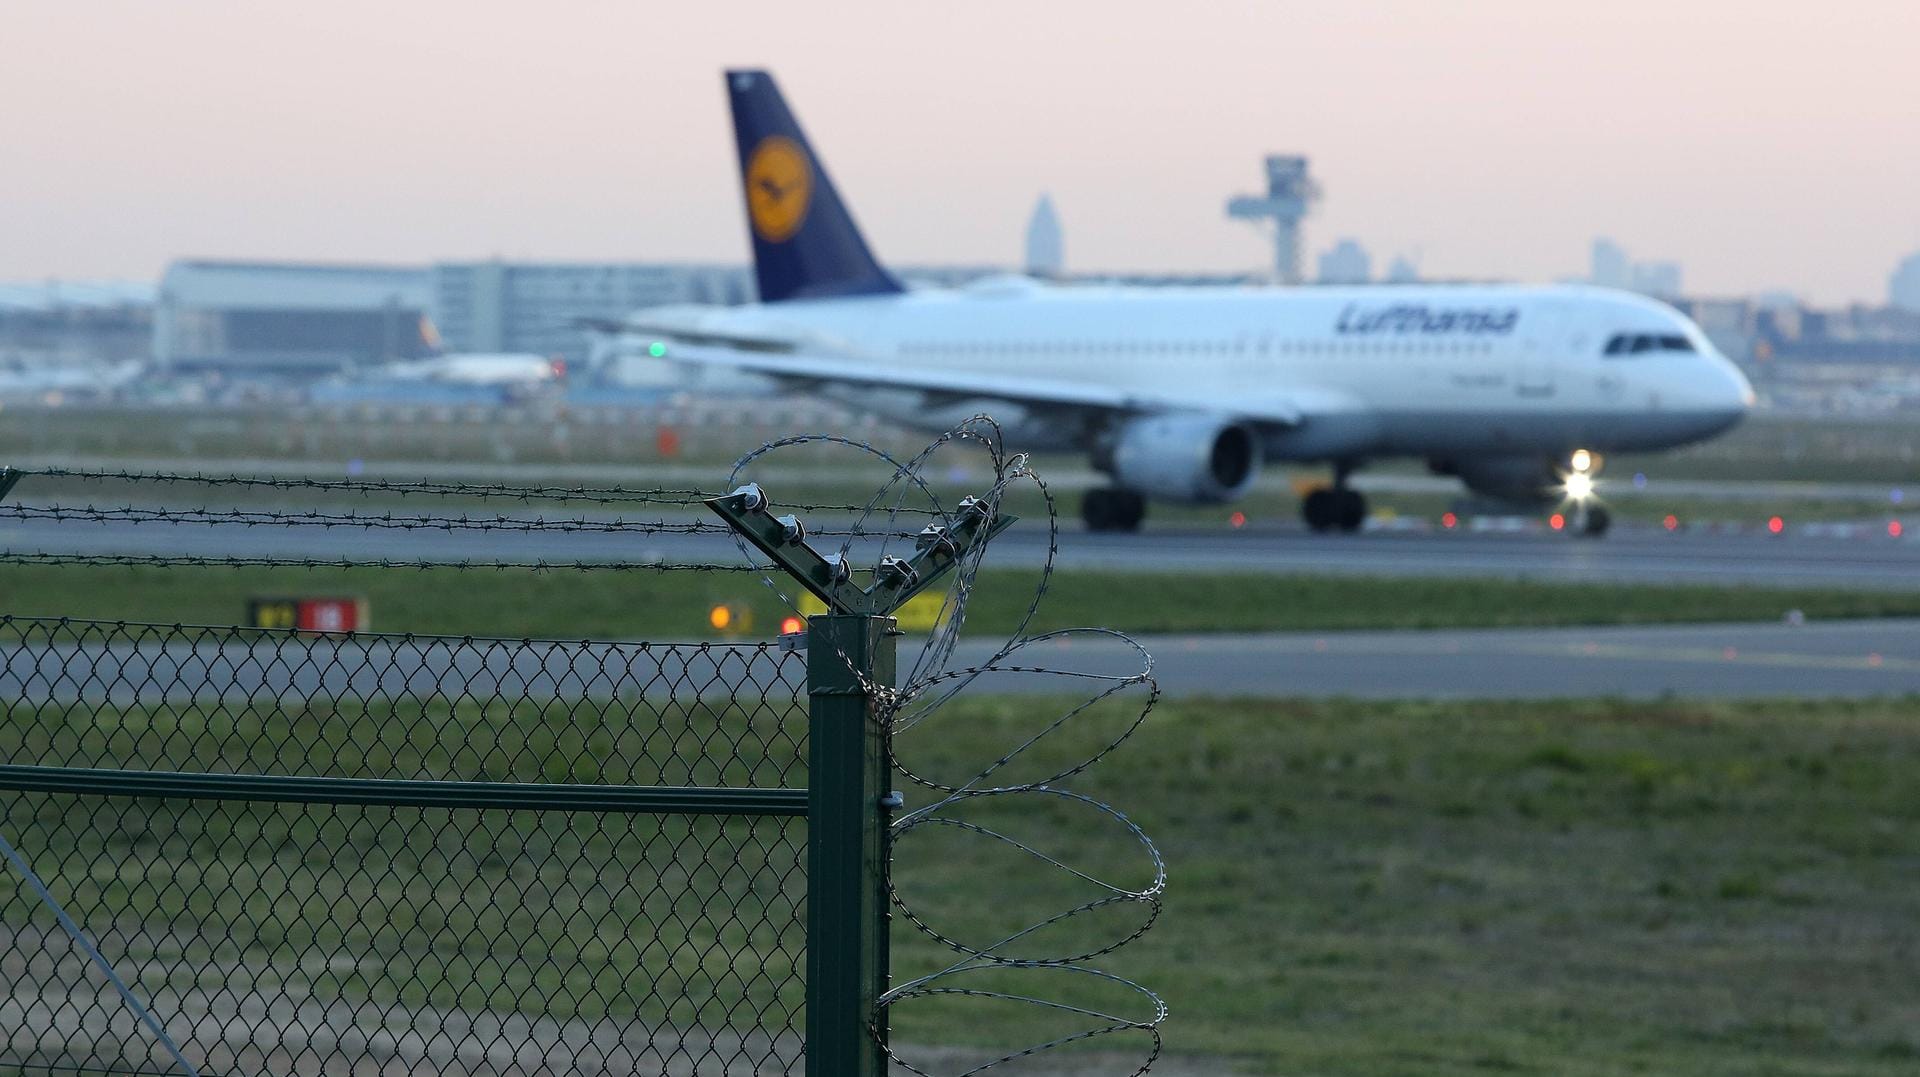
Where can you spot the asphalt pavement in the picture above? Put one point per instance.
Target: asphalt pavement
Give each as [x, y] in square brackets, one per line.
[1808, 556]
[1827, 659]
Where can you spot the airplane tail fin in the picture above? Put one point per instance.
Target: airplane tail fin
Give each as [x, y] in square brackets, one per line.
[805, 244]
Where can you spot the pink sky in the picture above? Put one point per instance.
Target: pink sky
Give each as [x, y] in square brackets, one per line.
[1762, 145]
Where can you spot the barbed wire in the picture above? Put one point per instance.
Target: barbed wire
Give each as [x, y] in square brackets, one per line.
[928, 684]
[131, 514]
[113, 560]
[600, 495]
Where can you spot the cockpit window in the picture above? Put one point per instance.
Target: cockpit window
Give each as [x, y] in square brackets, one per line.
[1641, 343]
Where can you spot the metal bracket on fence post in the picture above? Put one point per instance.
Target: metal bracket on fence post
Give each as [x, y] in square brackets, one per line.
[9, 477]
[849, 783]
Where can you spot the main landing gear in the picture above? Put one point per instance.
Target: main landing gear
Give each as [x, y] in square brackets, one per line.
[1113, 509]
[1334, 507]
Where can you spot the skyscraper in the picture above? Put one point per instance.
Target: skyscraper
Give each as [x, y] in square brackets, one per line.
[1903, 288]
[1046, 246]
[1609, 266]
[1347, 263]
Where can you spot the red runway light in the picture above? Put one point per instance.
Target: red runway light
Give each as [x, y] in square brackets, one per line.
[792, 625]
[1557, 521]
[1776, 525]
[1237, 520]
[1672, 522]
[1894, 529]
[1449, 521]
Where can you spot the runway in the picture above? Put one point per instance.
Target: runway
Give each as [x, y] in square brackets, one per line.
[72, 662]
[1808, 556]
[1833, 659]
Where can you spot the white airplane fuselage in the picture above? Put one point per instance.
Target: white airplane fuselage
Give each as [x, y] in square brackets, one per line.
[1437, 371]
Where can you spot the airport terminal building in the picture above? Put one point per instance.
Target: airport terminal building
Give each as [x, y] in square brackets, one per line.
[536, 307]
[289, 319]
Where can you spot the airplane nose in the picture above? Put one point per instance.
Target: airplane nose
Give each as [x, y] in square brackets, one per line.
[1731, 396]
[1740, 394]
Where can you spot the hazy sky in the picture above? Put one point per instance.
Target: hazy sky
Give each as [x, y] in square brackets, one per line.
[1762, 144]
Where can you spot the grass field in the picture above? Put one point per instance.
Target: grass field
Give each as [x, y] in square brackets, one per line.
[1568, 889]
[674, 605]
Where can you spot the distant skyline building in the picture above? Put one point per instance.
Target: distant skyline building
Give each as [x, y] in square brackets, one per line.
[1659, 279]
[1903, 288]
[1291, 193]
[1046, 244]
[1346, 262]
[1402, 270]
[1608, 266]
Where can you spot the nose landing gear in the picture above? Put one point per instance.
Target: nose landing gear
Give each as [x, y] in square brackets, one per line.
[1591, 521]
[1589, 518]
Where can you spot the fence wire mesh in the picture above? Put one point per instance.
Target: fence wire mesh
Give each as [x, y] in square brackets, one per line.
[486, 877]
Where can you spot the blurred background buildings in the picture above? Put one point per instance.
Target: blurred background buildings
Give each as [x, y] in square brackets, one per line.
[244, 330]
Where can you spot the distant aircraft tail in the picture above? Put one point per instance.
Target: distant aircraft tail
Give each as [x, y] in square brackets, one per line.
[805, 244]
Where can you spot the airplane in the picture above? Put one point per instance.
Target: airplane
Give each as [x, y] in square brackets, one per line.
[1182, 394]
[43, 378]
[475, 368]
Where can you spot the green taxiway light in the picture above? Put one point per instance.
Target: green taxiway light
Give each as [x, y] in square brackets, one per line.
[657, 349]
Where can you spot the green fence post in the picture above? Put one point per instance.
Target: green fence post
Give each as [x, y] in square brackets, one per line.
[848, 650]
[848, 778]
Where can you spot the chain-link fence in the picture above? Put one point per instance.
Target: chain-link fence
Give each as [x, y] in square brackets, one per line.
[245, 851]
[377, 854]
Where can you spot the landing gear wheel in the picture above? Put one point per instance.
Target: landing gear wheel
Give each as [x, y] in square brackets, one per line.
[1596, 523]
[1327, 509]
[1113, 510]
[1320, 510]
[1350, 510]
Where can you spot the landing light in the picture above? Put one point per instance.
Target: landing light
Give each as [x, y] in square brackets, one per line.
[1579, 484]
[1582, 461]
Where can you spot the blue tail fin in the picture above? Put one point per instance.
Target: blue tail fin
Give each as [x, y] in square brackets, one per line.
[805, 244]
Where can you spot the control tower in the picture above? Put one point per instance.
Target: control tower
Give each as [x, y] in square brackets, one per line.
[1290, 194]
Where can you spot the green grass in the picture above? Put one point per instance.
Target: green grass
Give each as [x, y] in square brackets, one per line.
[1575, 889]
[1569, 888]
[648, 605]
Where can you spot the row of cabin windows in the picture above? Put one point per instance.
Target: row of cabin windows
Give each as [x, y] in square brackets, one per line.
[1195, 347]
[1642, 343]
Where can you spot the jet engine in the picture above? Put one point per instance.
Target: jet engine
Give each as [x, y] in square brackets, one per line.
[1530, 480]
[1184, 457]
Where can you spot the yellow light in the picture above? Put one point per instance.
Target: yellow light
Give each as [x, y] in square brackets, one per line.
[1582, 461]
[1579, 486]
[720, 617]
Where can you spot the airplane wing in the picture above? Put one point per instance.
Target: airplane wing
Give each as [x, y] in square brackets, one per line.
[789, 363]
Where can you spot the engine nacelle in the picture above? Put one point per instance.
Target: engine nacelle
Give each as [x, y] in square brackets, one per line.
[1528, 480]
[1197, 459]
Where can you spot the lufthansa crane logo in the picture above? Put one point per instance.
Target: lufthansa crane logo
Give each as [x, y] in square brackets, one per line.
[779, 188]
